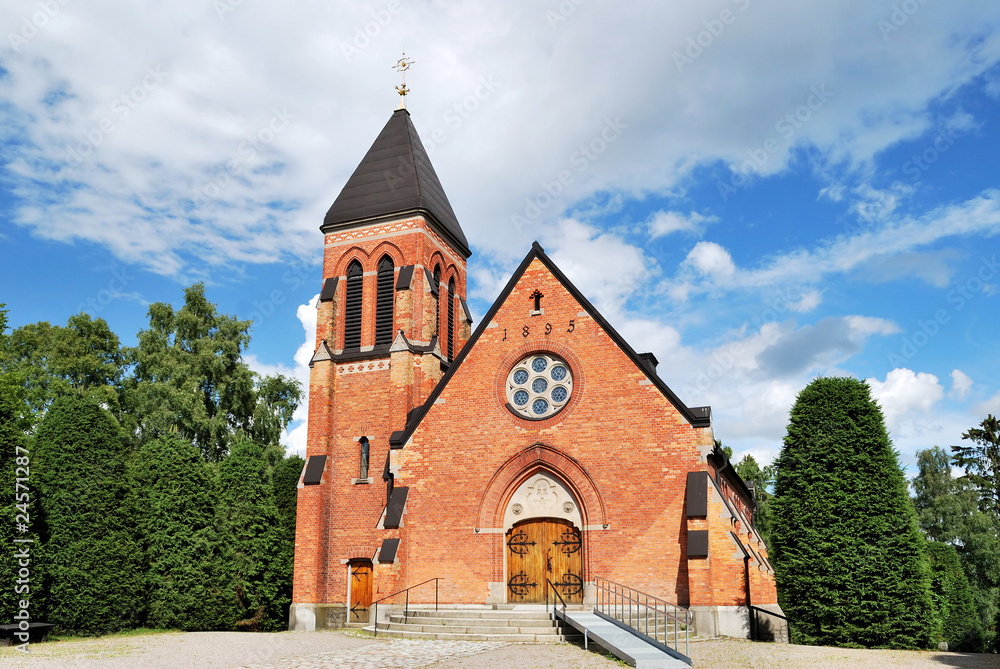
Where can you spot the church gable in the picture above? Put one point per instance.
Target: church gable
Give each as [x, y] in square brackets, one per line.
[541, 319]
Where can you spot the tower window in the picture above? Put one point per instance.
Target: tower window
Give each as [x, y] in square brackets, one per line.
[437, 299]
[451, 319]
[383, 305]
[354, 304]
[363, 469]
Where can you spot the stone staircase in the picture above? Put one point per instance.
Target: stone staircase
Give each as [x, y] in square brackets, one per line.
[519, 624]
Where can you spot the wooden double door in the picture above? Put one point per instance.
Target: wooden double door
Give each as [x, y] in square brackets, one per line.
[542, 550]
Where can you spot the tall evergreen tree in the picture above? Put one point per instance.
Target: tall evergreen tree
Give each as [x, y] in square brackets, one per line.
[185, 585]
[253, 538]
[949, 512]
[284, 483]
[849, 559]
[981, 461]
[959, 621]
[93, 563]
[190, 376]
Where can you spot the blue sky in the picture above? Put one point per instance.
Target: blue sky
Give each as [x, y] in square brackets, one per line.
[758, 192]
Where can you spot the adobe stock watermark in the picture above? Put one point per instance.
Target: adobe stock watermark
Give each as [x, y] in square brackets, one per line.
[724, 359]
[899, 17]
[119, 280]
[292, 279]
[30, 26]
[246, 155]
[364, 34]
[452, 119]
[787, 126]
[580, 159]
[122, 107]
[714, 27]
[958, 297]
[564, 10]
[921, 162]
[223, 7]
[22, 547]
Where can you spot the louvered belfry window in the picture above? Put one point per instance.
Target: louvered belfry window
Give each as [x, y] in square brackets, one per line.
[383, 305]
[352, 312]
[451, 319]
[437, 299]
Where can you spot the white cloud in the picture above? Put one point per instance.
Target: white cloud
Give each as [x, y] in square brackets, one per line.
[990, 406]
[602, 265]
[905, 394]
[711, 260]
[961, 383]
[663, 223]
[808, 302]
[137, 191]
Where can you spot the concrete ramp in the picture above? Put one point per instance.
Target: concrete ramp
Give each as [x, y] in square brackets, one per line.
[622, 643]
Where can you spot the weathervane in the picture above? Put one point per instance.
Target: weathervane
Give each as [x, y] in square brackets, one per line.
[401, 66]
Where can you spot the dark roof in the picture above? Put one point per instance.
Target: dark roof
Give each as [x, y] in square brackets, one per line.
[696, 416]
[396, 177]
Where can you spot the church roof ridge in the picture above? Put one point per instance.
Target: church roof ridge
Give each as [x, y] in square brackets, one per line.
[395, 178]
[696, 416]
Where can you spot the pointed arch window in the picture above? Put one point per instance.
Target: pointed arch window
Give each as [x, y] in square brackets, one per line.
[451, 319]
[354, 304]
[435, 290]
[383, 302]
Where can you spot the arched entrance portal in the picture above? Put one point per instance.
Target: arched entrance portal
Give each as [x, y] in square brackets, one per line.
[540, 551]
[542, 542]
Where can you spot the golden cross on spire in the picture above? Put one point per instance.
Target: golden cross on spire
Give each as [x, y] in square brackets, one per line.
[401, 66]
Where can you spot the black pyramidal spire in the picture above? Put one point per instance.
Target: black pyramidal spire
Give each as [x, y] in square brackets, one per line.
[395, 178]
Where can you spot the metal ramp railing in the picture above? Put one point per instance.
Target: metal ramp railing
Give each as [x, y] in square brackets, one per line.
[646, 616]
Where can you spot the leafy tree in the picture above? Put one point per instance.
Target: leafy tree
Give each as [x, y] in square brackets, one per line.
[83, 358]
[981, 462]
[190, 376]
[948, 511]
[185, 584]
[762, 478]
[253, 539]
[959, 621]
[848, 556]
[93, 563]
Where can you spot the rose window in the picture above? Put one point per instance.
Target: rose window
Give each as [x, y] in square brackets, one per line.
[539, 386]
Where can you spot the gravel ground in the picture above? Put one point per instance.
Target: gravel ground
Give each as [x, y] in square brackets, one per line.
[336, 650]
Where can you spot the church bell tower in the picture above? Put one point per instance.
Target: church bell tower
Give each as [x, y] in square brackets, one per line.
[391, 318]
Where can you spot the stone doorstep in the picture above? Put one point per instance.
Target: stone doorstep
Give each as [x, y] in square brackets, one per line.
[506, 638]
[541, 614]
[474, 620]
[472, 629]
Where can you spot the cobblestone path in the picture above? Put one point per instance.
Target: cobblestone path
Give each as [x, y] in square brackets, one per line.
[395, 654]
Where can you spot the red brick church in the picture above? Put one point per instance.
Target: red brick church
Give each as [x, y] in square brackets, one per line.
[539, 447]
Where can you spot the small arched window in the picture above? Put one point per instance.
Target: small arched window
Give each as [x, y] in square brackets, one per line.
[383, 302]
[451, 319]
[354, 304]
[435, 290]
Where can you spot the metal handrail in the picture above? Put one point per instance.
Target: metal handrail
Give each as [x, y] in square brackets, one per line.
[613, 598]
[755, 611]
[406, 606]
[556, 592]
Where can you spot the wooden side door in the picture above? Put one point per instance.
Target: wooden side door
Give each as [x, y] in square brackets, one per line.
[361, 590]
